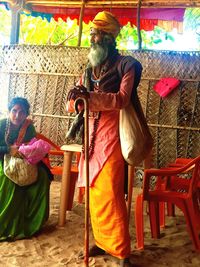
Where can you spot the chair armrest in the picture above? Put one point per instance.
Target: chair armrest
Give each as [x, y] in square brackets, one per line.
[56, 152]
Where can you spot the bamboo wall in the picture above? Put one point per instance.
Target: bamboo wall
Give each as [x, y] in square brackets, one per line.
[44, 74]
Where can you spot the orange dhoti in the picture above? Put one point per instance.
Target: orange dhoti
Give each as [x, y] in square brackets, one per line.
[108, 208]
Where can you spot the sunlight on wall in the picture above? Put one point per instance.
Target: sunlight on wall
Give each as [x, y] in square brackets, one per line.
[4, 95]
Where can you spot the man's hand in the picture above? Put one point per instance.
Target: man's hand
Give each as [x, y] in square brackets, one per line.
[78, 91]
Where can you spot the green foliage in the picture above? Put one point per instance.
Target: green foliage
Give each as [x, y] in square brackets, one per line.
[192, 18]
[192, 21]
[40, 31]
[5, 25]
[128, 37]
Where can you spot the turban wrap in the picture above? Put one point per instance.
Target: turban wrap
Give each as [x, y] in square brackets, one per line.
[107, 22]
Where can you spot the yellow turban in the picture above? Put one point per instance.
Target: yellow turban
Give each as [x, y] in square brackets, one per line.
[107, 22]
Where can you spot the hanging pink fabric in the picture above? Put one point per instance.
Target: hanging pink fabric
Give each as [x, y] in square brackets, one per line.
[35, 150]
[165, 85]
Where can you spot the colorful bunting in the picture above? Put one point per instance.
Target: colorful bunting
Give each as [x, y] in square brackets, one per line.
[166, 18]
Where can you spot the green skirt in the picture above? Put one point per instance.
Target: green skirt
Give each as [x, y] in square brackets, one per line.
[23, 209]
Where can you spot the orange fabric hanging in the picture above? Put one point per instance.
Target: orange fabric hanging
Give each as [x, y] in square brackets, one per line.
[169, 25]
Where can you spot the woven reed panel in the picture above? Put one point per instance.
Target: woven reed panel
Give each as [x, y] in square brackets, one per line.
[44, 74]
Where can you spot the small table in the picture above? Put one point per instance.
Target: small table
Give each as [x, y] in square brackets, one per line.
[65, 182]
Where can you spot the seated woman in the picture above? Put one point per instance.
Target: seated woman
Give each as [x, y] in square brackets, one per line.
[23, 209]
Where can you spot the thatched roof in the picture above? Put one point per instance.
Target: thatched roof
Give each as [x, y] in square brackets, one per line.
[109, 4]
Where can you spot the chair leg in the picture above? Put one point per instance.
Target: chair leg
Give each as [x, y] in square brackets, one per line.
[162, 214]
[154, 219]
[191, 212]
[139, 222]
[171, 209]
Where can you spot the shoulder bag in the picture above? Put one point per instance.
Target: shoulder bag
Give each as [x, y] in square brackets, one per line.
[136, 140]
[19, 170]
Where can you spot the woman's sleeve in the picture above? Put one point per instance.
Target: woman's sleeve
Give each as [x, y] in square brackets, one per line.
[4, 148]
[100, 101]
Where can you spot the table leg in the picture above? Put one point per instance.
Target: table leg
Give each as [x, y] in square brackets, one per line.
[131, 173]
[65, 186]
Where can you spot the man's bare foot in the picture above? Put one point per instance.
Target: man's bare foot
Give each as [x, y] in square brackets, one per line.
[96, 251]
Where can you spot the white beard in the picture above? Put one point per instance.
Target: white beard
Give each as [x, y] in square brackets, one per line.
[97, 54]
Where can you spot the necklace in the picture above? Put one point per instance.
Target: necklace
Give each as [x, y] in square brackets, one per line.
[96, 80]
[93, 139]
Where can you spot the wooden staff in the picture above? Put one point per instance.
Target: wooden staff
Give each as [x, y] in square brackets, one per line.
[86, 154]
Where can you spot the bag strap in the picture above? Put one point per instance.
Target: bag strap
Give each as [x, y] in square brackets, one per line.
[22, 131]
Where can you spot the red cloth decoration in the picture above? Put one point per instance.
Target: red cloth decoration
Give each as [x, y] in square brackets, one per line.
[176, 14]
[149, 17]
[165, 85]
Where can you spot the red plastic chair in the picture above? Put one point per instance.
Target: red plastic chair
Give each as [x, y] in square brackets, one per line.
[177, 185]
[180, 162]
[57, 169]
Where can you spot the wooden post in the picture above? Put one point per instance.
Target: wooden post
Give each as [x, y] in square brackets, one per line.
[81, 22]
[138, 25]
[15, 24]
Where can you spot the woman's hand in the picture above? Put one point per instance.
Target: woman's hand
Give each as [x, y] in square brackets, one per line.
[15, 152]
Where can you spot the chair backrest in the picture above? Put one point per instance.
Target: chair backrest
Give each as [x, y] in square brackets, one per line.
[191, 167]
[56, 155]
[41, 136]
[195, 176]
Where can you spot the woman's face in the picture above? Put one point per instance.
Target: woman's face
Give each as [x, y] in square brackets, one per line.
[17, 115]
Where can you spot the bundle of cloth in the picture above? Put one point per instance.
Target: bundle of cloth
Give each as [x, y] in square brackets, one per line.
[35, 150]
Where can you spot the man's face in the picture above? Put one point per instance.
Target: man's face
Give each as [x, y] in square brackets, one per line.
[96, 36]
[100, 47]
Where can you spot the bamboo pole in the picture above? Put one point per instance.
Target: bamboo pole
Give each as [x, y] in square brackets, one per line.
[78, 75]
[138, 25]
[15, 8]
[40, 73]
[51, 116]
[81, 22]
[174, 127]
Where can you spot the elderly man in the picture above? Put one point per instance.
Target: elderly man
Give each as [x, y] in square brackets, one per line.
[110, 82]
